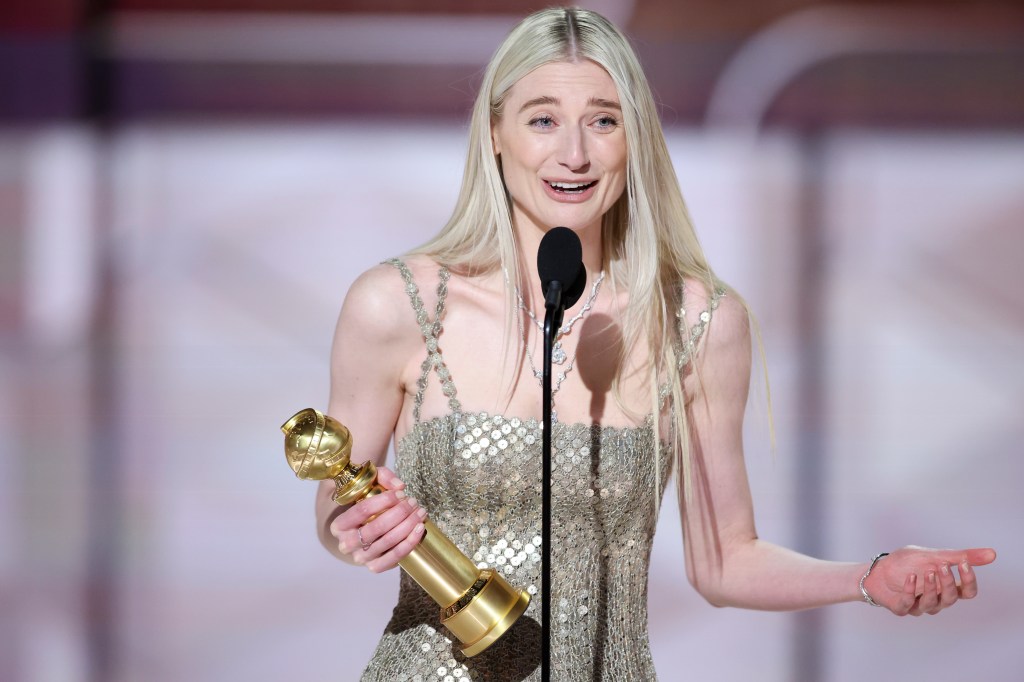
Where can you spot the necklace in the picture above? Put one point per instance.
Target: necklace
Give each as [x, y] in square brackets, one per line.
[539, 374]
[564, 330]
[558, 355]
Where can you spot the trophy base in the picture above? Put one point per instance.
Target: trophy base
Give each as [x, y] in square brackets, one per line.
[500, 627]
[482, 619]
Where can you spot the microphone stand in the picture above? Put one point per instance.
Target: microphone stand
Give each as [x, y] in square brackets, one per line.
[554, 311]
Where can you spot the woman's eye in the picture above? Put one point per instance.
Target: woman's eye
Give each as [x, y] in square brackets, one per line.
[606, 122]
[542, 122]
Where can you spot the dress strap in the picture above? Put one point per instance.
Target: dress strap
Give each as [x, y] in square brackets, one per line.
[690, 337]
[431, 330]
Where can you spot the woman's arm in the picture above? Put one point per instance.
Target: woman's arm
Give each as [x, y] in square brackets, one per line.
[374, 339]
[726, 561]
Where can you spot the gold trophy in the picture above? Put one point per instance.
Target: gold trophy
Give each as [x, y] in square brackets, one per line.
[477, 605]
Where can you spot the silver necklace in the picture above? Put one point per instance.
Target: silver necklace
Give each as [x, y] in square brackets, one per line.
[558, 355]
[539, 374]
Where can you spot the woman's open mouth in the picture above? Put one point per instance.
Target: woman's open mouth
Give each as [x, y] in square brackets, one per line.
[569, 192]
[570, 187]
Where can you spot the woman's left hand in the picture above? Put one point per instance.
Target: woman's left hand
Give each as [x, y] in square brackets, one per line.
[917, 580]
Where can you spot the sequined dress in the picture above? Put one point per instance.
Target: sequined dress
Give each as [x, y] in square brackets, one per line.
[479, 477]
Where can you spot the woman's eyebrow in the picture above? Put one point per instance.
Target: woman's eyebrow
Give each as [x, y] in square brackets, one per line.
[604, 103]
[543, 99]
[548, 99]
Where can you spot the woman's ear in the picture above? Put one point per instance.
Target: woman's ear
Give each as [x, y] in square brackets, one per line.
[495, 144]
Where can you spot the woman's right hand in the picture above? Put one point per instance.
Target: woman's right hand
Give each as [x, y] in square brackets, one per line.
[380, 543]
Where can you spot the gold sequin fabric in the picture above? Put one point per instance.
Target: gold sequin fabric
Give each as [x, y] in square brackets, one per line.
[479, 477]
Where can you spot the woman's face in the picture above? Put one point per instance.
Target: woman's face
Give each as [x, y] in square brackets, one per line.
[562, 146]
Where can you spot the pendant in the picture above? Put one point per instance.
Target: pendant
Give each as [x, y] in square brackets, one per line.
[557, 353]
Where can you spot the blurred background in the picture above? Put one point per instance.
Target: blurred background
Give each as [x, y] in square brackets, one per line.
[188, 187]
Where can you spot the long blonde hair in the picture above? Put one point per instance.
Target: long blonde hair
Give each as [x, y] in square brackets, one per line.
[649, 243]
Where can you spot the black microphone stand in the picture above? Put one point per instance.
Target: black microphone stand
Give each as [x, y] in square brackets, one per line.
[554, 311]
[562, 277]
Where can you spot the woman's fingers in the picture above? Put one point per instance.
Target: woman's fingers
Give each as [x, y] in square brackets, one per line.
[387, 478]
[391, 558]
[968, 581]
[380, 531]
[908, 597]
[361, 512]
[975, 556]
[392, 535]
[385, 552]
[980, 556]
[382, 524]
[933, 572]
[948, 592]
[929, 599]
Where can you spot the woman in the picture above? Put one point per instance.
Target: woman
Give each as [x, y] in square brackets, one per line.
[565, 132]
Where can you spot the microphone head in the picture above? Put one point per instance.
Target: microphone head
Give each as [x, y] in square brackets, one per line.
[575, 290]
[560, 259]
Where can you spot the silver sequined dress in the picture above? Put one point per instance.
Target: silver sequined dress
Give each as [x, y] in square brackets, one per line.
[479, 477]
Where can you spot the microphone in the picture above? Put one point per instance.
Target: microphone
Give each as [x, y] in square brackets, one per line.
[562, 278]
[560, 266]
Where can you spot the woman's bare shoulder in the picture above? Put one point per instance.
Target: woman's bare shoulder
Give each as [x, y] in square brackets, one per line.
[718, 311]
[378, 304]
[717, 324]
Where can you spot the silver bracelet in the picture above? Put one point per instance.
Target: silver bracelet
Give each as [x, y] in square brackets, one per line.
[867, 597]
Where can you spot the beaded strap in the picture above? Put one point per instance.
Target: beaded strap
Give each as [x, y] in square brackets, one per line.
[689, 346]
[688, 339]
[431, 330]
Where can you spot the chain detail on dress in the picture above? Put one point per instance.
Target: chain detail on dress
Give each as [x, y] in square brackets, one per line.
[686, 348]
[431, 330]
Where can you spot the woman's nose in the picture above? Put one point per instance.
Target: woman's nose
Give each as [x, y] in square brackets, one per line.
[572, 149]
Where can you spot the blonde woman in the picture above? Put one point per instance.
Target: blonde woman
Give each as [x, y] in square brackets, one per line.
[656, 351]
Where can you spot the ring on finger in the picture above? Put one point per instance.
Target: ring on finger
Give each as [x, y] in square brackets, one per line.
[362, 542]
